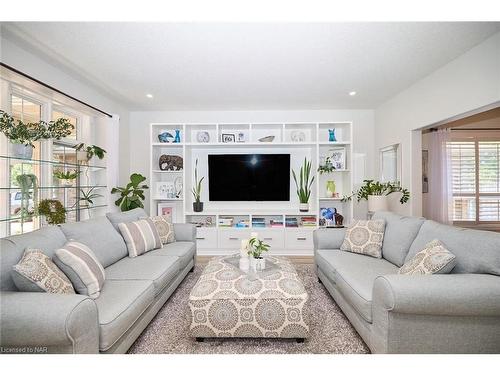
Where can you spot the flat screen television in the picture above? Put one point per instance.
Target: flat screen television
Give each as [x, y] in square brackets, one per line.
[249, 177]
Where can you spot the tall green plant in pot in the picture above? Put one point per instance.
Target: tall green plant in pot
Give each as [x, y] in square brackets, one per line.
[303, 185]
[132, 195]
[196, 190]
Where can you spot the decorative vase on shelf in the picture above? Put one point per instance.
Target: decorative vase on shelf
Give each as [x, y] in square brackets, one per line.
[330, 189]
[304, 207]
[18, 150]
[197, 206]
[177, 138]
[331, 135]
[377, 203]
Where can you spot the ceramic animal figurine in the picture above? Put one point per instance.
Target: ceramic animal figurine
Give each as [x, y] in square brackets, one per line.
[331, 135]
[163, 137]
[339, 220]
[171, 163]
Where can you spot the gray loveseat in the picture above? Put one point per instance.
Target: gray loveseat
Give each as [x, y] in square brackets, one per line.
[452, 313]
[134, 290]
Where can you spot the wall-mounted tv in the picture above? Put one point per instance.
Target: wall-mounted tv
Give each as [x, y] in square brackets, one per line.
[249, 177]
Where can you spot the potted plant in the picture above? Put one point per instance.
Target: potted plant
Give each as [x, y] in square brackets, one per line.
[328, 167]
[27, 182]
[376, 193]
[132, 195]
[196, 190]
[84, 153]
[23, 135]
[67, 178]
[87, 198]
[304, 185]
[53, 210]
[256, 249]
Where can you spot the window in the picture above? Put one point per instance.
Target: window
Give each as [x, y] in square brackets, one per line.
[475, 166]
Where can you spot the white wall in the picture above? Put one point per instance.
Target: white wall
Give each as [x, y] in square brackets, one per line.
[467, 83]
[363, 125]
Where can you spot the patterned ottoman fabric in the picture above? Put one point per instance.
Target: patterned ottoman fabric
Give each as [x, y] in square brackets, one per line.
[227, 302]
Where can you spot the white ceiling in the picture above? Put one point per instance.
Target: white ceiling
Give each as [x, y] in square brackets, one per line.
[253, 66]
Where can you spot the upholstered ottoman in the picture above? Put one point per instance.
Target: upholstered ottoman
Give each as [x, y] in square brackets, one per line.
[228, 302]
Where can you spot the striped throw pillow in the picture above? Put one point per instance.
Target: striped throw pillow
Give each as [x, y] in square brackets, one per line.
[140, 236]
[82, 267]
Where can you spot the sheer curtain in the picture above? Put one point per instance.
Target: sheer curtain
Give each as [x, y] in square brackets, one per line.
[440, 199]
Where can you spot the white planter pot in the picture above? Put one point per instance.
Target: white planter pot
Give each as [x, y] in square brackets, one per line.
[304, 207]
[377, 203]
[257, 264]
[18, 150]
[66, 182]
[82, 156]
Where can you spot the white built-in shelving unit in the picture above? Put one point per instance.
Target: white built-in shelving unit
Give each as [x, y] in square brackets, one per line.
[214, 239]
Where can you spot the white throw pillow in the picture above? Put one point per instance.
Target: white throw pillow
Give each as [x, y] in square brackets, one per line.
[365, 237]
[434, 258]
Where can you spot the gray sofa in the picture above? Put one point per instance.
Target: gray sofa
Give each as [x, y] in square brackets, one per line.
[452, 313]
[134, 290]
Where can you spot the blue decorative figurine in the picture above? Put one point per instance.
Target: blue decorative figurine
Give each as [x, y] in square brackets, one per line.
[177, 136]
[163, 137]
[331, 135]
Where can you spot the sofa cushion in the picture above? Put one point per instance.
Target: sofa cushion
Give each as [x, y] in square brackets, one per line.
[80, 264]
[47, 239]
[100, 236]
[159, 269]
[120, 304]
[182, 249]
[400, 231]
[125, 217]
[477, 251]
[364, 237]
[140, 236]
[165, 228]
[353, 276]
[36, 272]
[434, 258]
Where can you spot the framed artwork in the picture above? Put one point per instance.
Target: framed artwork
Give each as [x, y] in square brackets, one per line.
[166, 209]
[165, 189]
[228, 138]
[337, 157]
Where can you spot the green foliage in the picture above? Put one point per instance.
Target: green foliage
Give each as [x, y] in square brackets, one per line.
[91, 150]
[68, 175]
[304, 185]
[132, 195]
[327, 167]
[27, 182]
[196, 190]
[28, 133]
[87, 197]
[371, 187]
[53, 210]
[257, 247]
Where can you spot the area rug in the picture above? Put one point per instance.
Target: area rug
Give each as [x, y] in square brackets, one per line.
[330, 330]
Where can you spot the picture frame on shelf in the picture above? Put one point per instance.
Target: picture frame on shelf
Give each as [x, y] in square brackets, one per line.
[165, 190]
[338, 157]
[241, 137]
[167, 209]
[228, 138]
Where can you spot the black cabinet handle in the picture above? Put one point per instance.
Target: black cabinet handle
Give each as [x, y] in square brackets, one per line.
[200, 238]
[233, 238]
[301, 238]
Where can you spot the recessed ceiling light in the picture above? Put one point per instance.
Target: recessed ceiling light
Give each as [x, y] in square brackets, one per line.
[352, 93]
[150, 96]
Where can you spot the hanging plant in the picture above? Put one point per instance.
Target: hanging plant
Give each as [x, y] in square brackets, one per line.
[27, 182]
[53, 210]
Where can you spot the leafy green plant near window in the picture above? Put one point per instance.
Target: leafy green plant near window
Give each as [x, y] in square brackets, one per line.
[304, 183]
[90, 151]
[371, 187]
[26, 134]
[87, 198]
[28, 182]
[132, 195]
[53, 210]
[257, 248]
[327, 167]
[68, 175]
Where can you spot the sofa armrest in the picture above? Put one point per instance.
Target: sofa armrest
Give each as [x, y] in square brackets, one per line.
[49, 320]
[185, 232]
[451, 295]
[328, 238]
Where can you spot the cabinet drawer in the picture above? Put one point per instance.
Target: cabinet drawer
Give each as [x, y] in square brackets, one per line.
[299, 239]
[274, 238]
[206, 238]
[231, 238]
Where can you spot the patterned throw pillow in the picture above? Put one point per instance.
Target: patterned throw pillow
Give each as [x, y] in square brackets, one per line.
[82, 267]
[165, 228]
[140, 236]
[365, 237]
[434, 258]
[35, 272]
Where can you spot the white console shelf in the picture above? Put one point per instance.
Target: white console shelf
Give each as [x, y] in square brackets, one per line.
[300, 140]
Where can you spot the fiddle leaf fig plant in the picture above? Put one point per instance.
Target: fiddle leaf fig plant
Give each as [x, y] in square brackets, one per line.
[371, 187]
[132, 195]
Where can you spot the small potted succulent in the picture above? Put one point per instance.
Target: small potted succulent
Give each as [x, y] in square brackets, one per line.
[196, 190]
[256, 248]
[22, 136]
[84, 153]
[66, 178]
[304, 185]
